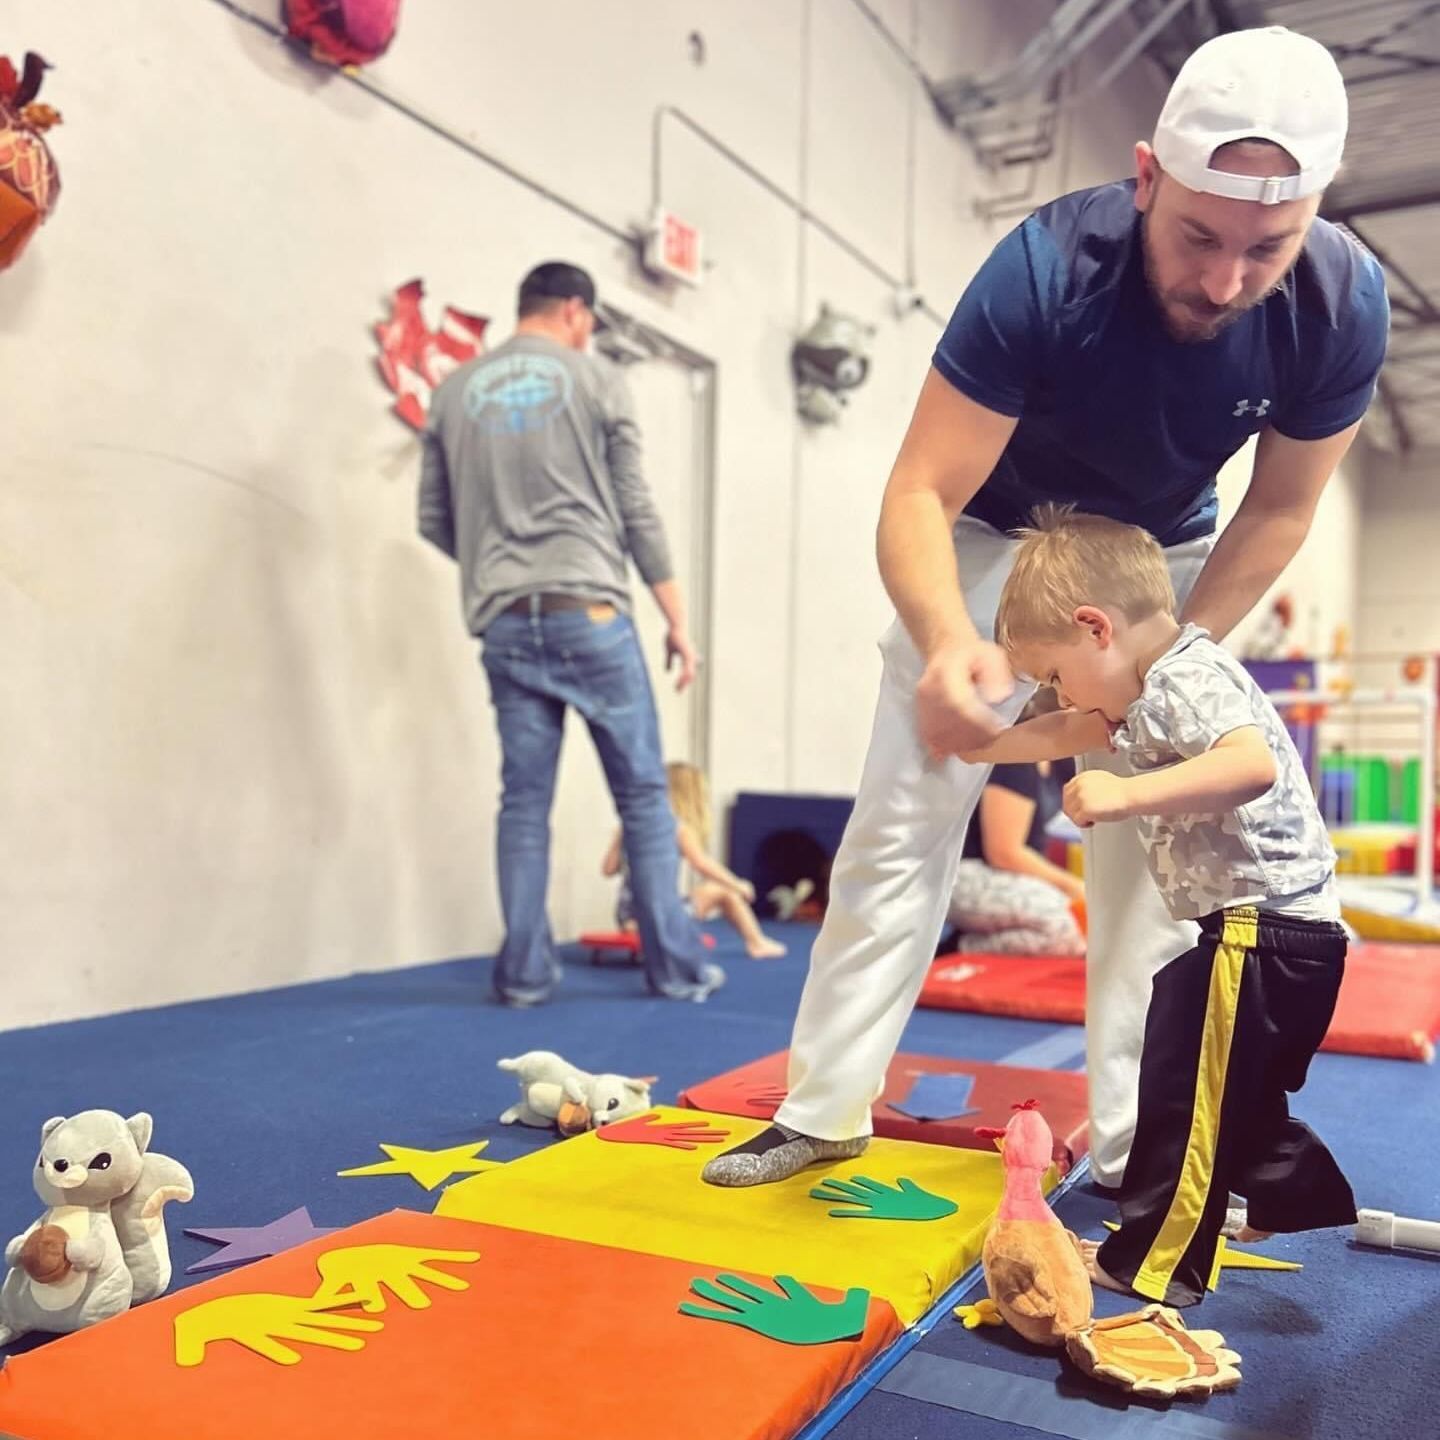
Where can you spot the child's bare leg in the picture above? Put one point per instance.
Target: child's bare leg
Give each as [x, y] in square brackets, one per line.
[705, 899]
[758, 945]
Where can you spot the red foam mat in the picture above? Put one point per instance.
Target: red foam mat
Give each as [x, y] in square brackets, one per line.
[1389, 1003]
[1027, 987]
[755, 1090]
[622, 942]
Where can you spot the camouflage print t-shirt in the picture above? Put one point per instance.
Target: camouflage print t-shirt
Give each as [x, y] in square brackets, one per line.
[1277, 845]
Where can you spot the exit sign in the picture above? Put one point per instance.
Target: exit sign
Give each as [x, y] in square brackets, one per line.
[672, 248]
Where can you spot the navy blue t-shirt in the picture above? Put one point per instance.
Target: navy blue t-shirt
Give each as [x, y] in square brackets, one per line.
[1059, 328]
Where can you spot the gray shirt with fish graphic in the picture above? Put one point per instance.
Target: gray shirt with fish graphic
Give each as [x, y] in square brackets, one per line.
[532, 480]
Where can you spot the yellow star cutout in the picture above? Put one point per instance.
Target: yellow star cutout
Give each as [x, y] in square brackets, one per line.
[429, 1167]
[1228, 1259]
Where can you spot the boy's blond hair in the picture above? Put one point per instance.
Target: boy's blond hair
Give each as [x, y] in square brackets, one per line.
[1067, 559]
[690, 798]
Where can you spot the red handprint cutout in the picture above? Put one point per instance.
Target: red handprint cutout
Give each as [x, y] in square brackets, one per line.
[763, 1100]
[652, 1129]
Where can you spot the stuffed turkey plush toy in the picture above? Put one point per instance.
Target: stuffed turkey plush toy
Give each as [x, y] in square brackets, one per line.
[29, 181]
[1039, 1286]
[343, 32]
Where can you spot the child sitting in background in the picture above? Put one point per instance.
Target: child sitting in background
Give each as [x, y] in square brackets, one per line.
[720, 890]
[1234, 841]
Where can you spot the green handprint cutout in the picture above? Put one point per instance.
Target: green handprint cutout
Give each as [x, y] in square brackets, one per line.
[355, 1275]
[261, 1322]
[795, 1317]
[904, 1200]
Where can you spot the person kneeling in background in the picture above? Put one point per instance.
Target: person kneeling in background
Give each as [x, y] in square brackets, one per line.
[1008, 899]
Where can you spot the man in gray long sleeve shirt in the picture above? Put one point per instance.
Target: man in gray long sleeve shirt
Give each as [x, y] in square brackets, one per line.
[531, 481]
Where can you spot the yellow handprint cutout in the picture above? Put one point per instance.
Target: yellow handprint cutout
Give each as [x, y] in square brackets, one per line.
[355, 1276]
[262, 1322]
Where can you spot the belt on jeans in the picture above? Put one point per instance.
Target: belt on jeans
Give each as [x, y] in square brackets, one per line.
[549, 604]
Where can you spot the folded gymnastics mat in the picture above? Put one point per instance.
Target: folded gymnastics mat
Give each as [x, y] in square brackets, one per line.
[1024, 987]
[521, 1335]
[1389, 1002]
[935, 1099]
[636, 1186]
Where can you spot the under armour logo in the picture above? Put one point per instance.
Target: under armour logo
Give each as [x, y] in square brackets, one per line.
[1244, 407]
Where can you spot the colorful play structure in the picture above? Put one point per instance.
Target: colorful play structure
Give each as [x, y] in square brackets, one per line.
[1366, 726]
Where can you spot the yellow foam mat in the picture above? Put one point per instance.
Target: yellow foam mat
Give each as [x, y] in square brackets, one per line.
[651, 1199]
[1376, 925]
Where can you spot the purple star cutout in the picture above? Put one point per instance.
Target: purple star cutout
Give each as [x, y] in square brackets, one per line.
[256, 1242]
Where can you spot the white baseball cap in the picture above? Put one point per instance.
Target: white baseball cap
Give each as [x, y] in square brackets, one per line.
[1271, 84]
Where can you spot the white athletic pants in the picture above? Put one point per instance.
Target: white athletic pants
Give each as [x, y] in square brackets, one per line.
[891, 883]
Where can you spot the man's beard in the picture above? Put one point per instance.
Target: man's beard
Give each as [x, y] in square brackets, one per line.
[1202, 320]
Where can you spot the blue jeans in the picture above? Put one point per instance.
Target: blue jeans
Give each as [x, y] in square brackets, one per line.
[537, 665]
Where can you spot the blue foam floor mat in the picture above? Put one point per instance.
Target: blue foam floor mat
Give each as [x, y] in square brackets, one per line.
[266, 1096]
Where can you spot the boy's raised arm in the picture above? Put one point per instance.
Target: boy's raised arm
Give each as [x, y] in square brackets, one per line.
[1048, 737]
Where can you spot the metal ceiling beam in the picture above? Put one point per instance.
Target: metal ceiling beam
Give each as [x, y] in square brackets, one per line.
[1407, 20]
[1404, 441]
[1413, 200]
[1414, 65]
[1424, 306]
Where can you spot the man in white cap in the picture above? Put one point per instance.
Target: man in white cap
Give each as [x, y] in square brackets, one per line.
[1114, 351]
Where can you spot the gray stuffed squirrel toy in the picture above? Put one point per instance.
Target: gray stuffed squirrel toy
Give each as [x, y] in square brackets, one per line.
[100, 1246]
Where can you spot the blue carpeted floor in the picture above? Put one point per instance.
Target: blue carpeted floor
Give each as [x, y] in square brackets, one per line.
[266, 1096]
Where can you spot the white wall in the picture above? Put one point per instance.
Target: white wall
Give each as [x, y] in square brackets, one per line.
[246, 739]
[1399, 609]
[1323, 580]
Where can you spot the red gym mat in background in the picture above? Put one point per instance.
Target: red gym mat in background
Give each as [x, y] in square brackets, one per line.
[620, 945]
[1026, 987]
[1389, 1004]
[755, 1091]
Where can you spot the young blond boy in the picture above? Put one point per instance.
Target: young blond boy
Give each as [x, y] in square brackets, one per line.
[1235, 842]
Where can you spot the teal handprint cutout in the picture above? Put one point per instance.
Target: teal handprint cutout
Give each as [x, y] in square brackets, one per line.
[794, 1317]
[875, 1200]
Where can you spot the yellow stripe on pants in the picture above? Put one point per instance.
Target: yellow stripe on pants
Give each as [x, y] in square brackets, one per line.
[1183, 1217]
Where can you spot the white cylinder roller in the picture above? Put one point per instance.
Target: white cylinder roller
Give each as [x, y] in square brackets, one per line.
[1394, 1232]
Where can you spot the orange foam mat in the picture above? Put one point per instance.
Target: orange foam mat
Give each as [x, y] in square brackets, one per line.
[1389, 1002]
[755, 1090]
[551, 1337]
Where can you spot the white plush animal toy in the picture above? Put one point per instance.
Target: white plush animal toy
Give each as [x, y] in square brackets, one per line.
[555, 1092]
[100, 1246]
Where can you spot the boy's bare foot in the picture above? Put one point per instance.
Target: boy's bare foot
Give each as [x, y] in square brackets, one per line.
[1248, 1235]
[1237, 1227]
[1088, 1252]
[765, 949]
